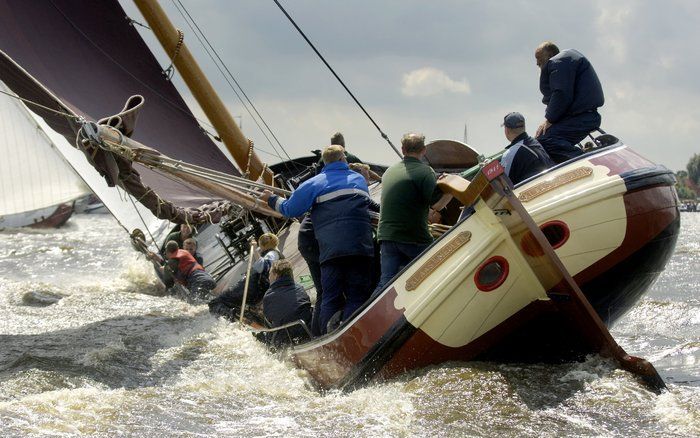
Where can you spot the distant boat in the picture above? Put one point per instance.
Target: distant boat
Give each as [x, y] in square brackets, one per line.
[38, 187]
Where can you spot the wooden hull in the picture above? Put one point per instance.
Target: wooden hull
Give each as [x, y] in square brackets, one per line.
[49, 217]
[616, 221]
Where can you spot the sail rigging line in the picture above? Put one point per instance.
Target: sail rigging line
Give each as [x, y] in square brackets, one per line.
[132, 22]
[184, 110]
[198, 32]
[27, 101]
[383, 135]
[143, 221]
[213, 175]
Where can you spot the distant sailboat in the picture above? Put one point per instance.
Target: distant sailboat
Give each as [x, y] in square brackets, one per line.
[38, 187]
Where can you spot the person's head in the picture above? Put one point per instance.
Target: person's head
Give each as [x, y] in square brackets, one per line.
[281, 268]
[333, 153]
[338, 139]
[171, 247]
[514, 125]
[185, 231]
[190, 245]
[413, 144]
[268, 241]
[361, 168]
[544, 52]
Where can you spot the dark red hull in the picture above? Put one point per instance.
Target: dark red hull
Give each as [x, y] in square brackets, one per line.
[381, 341]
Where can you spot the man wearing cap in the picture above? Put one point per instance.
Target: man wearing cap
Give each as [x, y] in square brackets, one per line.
[572, 92]
[524, 156]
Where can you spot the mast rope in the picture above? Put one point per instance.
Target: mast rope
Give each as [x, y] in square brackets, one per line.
[143, 221]
[383, 135]
[27, 101]
[170, 71]
[209, 49]
[183, 109]
[132, 22]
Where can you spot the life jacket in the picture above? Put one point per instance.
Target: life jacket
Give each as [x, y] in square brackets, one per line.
[186, 264]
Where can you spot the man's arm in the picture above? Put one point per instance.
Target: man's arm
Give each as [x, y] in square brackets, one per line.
[299, 202]
[561, 82]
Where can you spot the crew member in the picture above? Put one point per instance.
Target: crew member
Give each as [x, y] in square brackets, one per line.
[182, 268]
[180, 236]
[524, 156]
[285, 302]
[340, 200]
[231, 298]
[409, 188]
[190, 245]
[572, 92]
[339, 140]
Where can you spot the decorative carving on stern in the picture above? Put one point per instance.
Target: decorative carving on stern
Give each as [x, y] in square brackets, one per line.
[437, 259]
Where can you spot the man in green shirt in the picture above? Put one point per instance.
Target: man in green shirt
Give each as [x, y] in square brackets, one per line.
[409, 188]
[180, 236]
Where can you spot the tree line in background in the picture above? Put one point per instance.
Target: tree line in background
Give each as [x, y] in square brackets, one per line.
[688, 184]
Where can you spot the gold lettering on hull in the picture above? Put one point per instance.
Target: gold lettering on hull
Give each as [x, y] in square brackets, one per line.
[546, 186]
[437, 259]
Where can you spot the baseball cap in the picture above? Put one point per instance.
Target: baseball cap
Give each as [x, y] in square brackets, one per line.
[513, 120]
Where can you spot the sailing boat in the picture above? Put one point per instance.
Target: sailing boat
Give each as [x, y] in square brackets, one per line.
[38, 187]
[533, 272]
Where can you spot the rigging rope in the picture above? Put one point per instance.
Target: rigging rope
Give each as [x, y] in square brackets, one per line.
[384, 136]
[143, 221]
[209, 49]
[27, 101]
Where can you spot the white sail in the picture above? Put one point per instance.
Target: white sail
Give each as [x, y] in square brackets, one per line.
[33, 175]
[52, 171]
[127, 211]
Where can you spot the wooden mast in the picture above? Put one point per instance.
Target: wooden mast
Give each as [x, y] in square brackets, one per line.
[202, 90]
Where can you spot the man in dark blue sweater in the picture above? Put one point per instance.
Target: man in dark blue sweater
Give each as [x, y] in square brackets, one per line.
[524, 156]
[572, 92]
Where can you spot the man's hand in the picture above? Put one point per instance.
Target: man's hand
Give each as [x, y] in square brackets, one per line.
[265, 195]
[543, 128]
[434, 217]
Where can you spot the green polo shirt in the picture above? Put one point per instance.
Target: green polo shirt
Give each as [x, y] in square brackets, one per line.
[408, 189]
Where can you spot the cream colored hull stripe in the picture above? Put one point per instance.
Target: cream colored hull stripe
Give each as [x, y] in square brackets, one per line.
[546, 186]
[437, 259]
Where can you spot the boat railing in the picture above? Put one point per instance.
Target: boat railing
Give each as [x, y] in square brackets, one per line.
[286, 327]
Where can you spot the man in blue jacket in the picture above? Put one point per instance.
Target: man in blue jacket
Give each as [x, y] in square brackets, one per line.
[572, 92]
[524, 156]
[338, 199]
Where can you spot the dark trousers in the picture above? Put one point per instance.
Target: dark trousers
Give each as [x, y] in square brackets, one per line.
[346, 283]
[561, 138]
[200, 283]
[315, 271]
[395, 256]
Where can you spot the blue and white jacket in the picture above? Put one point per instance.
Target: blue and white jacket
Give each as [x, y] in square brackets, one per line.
[524, 157]
[338, 199]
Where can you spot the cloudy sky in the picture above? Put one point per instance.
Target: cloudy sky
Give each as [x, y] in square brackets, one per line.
[432, 66]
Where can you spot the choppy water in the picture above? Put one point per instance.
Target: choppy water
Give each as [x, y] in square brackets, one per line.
[111, 358]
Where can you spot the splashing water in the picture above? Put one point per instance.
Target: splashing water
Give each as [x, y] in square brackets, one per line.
[110, 356]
